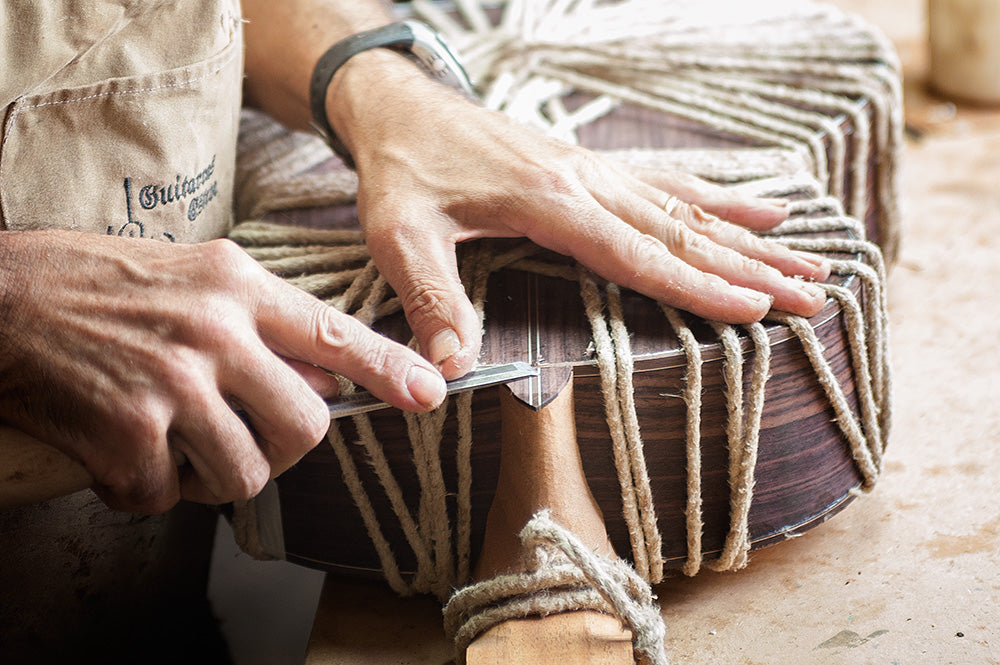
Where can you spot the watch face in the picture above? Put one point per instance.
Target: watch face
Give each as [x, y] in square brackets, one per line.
[435, 55]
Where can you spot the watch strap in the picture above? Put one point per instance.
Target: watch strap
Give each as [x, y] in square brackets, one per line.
[400, 36]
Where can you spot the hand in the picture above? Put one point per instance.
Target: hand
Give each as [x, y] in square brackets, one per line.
[134, 355]
[435, 170]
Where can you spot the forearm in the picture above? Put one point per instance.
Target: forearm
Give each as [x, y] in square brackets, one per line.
[284, 40]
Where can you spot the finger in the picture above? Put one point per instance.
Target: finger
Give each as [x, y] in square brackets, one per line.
[622, 254]
[321, 381]
[422, 269]
[139, 475]
[286, 416]
[225, 462]
[790, 263]
[725, 202]
[702, 253]
[296, 325]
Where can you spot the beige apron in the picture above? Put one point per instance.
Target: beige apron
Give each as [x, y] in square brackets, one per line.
[121, 116]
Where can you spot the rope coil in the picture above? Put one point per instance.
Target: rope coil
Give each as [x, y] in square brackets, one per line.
[562, 575]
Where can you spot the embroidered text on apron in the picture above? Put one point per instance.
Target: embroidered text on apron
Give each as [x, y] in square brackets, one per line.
[128, 123]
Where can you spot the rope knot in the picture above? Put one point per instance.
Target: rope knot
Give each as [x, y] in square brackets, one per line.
[563, 575]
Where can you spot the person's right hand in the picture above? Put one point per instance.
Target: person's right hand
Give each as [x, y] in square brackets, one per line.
[135, 357]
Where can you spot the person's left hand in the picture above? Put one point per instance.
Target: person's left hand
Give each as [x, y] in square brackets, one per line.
[435, 170]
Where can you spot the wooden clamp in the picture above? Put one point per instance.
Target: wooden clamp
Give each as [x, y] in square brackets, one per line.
[544, 441]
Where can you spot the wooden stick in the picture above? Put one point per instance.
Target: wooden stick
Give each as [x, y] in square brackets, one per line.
[32, 471]
[540, 467]
[580, 638]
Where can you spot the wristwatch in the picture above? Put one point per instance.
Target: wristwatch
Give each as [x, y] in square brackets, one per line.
[414, 39]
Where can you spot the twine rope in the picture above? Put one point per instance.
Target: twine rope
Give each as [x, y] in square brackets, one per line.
[429, 532]
[749, 75]
[752, 73]
[562, 574]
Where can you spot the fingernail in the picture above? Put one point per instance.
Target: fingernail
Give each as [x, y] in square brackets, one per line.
[757, 298]
[426, 386]
[809, 257]
[777, 203]
[813, 291]
[443, 345]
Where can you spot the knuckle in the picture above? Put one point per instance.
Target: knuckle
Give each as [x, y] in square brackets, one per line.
[218, 321]
[136, 479]
[678, 238]
[369, 352]
[334, 330]
[224, 251]
[184, 382]
[425, 300]
[750, 269]
[377, 361]
[218, 324]
[315, 424]
[558, 177]
[691, 244]
[231, 266]
[250, 481]
[307, 426]
[386, 229]
[756, 268]
[700, 221]
[641, 249]
[754, 245]
[141, 426]
[136, 490]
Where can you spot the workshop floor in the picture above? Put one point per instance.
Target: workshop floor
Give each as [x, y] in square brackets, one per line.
[906, 575]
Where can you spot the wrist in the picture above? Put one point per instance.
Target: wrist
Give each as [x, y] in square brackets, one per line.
[9, 289]
[356, 75]
[366, 90]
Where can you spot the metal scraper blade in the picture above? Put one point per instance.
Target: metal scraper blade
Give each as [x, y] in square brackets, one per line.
[481, 377]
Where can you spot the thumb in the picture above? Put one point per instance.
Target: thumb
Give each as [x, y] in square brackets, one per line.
[421, 267]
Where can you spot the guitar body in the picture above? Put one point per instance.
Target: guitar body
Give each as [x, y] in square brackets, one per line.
[804, 469]
[734, 437]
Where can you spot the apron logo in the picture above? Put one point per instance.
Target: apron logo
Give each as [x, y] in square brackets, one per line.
[198, 190]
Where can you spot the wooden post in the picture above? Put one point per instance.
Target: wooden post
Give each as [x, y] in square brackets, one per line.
[540, 467]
